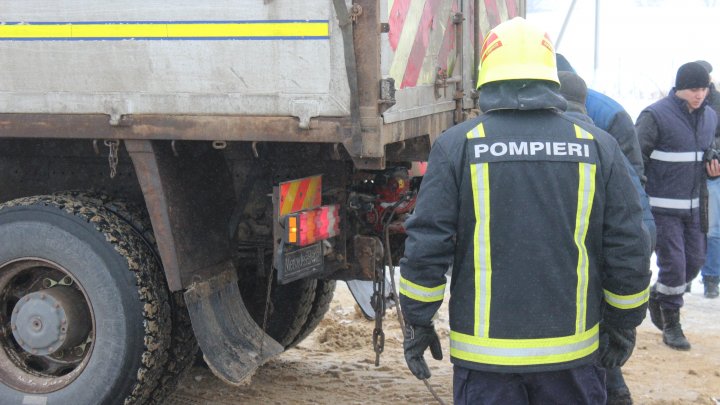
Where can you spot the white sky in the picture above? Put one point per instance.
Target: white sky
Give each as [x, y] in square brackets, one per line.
[641, 43]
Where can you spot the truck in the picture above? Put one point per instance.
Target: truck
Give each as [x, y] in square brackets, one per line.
[180, 175]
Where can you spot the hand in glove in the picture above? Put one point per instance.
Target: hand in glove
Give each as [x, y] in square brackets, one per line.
[616, 346]
[417, 339]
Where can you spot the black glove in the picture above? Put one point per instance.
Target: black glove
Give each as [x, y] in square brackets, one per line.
[616, 346]
[417, 339]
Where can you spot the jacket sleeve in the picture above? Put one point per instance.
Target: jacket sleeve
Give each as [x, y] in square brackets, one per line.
[430, 243]
[626, 249]
[623, 131]
[648, 134]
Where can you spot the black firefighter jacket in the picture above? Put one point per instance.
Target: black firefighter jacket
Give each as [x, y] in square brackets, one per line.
[540, 220]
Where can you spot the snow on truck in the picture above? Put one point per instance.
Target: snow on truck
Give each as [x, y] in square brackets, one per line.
[179, 174]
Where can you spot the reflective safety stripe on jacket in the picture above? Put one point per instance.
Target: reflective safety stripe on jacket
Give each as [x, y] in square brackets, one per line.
[420, 293]
[676, 157]
[675, 169]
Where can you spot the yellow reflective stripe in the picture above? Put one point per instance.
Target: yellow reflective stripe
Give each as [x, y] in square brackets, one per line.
[135, 29]
[521, 352]
[420, 293]
[586, 194]
[313, 194]
[627, 301]
[290, 196]
[479, 174]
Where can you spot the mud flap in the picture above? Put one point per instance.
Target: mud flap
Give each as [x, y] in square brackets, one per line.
[362, 291]
[232, 343]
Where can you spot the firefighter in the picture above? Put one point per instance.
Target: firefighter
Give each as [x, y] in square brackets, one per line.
[539, 218]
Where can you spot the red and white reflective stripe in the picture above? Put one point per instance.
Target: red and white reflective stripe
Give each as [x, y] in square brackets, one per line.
[495, 12]
[422, 35]
[298, 195]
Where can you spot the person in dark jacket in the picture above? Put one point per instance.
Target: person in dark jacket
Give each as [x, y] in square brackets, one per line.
[538, 216]
[574, 89]
[713, 98]
[674, 134]
[711, 269]
[608, 115]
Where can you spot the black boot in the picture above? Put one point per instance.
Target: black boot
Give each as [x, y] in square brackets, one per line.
[711, 286]
[672, 330]
[618, 392]
[654, 309]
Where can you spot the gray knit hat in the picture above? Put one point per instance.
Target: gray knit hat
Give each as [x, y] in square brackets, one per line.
[692, 76]
[574, 90]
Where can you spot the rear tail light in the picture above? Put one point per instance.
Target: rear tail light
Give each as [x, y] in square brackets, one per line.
[307, 227]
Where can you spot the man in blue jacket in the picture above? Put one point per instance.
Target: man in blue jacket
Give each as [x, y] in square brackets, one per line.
[674, 135]
[711, 269]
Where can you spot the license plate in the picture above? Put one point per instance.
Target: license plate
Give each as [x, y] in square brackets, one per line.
[300, 263]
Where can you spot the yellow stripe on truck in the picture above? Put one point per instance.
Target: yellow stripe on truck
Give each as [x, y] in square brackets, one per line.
[166, 30]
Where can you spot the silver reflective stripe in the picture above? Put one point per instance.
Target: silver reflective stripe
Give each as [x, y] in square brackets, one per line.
[420, 293]
[667, 290]
[522, 351]
[34, 400]
[676, 156]
[626, 301]
[674, 203]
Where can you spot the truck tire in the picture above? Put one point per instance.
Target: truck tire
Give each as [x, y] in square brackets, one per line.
[183, 345]
[290, 304]
[107, 291]
[290, 309]
[324, 292]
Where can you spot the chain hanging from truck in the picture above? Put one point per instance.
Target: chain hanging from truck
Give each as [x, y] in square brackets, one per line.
[378, 304]
[410, 196]
[113, 145]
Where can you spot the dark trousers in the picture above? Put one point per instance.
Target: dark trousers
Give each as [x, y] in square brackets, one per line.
[614, 379]
[680, 254]
[583, 385]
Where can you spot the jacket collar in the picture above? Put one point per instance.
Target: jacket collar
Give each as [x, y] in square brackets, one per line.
[521, 95]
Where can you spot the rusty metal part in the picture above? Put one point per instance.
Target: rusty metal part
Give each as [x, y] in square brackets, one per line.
[232, 343]
[53, 365]
[369, 254]
[387, 92]
[169, 127]
[356, 11]
[368, 150]
[190, 202]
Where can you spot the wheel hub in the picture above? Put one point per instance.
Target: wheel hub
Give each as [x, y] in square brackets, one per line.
[46, 321]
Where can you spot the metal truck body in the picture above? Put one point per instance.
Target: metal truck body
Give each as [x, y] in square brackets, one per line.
[181, 172]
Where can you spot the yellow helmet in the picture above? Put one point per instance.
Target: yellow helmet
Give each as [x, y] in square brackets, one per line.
[517, 50]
